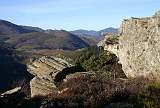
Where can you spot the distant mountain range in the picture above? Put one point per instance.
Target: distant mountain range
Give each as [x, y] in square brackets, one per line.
[93, 33]
[34, 38]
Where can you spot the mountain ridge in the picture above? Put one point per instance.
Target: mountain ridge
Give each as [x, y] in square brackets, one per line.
[17, 29]
[7, 28]
[94, 33]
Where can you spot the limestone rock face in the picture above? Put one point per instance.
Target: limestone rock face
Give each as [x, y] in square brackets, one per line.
[139, 46]
[45, 70]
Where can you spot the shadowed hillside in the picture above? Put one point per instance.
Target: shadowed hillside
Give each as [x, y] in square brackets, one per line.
[12, 73]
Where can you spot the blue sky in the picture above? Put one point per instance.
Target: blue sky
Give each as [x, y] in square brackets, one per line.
[75, 14]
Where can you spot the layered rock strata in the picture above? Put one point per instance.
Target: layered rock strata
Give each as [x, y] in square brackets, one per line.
[45, 70]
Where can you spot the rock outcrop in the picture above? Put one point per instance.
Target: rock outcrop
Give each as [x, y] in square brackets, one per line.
[42, 87]
[47, 67]
[45, 70]
[10, 92]
[139, 46]
[110, 43]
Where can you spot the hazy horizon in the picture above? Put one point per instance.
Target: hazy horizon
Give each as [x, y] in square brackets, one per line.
[72, 15]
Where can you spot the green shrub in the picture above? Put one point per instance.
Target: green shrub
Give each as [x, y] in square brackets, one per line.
[96, 59]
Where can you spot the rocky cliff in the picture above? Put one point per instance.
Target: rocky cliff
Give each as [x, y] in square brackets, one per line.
[139, 46]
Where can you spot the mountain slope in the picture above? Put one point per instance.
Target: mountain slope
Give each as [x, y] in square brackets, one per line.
[90, 40]
[55, 39]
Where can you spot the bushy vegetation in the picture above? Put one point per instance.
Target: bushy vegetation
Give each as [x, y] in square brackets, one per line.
[150, 97]
[147, 97]
[97, 91]
[96, 59]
